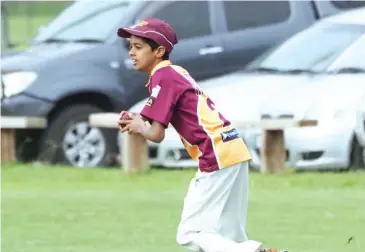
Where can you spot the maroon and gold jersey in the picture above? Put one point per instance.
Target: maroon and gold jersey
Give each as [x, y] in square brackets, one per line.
[208, 137]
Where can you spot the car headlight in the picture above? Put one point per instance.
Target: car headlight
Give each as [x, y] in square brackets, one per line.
[16, 82]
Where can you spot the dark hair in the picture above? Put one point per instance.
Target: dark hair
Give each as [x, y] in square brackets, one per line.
[154, 46]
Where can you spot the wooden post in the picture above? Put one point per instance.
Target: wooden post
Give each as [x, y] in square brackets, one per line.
[134, 156]
[7, 145]
[273, 151]
[8, 126]
[135, 153]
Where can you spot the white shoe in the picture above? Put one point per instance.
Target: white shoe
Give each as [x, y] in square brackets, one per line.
[249, 246]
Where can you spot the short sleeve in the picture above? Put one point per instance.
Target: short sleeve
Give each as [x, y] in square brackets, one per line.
[160, 105]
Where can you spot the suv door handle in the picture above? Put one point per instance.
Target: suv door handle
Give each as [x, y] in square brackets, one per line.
[210, 50]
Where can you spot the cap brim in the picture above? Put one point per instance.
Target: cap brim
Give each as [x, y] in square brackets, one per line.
[123, 33]
[128, 32]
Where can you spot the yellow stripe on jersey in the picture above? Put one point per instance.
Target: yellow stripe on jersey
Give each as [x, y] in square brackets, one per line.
[180, 70]
[193, 150]
[227, 153]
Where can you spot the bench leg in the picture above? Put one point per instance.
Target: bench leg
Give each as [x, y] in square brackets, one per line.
[7, 145]
[273, 153]
[134, 153]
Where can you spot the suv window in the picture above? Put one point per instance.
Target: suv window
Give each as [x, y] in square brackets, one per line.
[188, 18]
[94, 20]
[246, 14]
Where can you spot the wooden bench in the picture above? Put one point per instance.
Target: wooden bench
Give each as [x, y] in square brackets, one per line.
[135, 149]
[8, 126]
[273, 154]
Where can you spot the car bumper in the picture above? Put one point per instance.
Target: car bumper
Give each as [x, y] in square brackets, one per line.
[313, 148]
[24, 105]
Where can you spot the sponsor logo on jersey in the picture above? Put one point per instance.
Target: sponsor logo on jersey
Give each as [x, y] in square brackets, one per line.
[150, 101]
[230, 135]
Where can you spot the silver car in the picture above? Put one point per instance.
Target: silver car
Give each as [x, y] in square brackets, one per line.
[332, 97]
[333, 101]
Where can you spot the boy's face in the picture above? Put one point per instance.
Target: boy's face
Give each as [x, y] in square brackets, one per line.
[144, 59]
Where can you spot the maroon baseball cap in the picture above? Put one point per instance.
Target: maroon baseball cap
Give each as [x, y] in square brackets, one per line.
[152, 28]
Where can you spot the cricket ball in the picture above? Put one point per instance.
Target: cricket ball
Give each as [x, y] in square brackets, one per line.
[125, 116]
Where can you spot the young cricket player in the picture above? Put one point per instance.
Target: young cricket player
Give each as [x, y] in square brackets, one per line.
[215, 207]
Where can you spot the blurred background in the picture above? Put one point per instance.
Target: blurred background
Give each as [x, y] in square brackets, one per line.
[61, 61]
[21, 20]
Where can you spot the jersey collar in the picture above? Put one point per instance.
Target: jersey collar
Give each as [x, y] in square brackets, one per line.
[160, 65]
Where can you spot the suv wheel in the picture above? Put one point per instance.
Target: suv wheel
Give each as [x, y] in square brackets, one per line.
[69, 139]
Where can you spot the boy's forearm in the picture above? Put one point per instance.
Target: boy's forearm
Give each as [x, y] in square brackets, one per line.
[143, 118]
[151, 134]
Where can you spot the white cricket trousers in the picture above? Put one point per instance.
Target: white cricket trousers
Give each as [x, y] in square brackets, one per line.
[215, 209]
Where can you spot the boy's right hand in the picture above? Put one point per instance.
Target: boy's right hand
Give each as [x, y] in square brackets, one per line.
[124, 115]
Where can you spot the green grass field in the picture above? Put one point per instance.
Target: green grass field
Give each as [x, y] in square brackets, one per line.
[58, 209]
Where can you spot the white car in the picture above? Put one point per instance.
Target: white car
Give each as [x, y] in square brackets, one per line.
[302, 60]
[332, 98]
[333, 101]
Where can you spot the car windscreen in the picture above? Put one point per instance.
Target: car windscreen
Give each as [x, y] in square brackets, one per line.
[313, 49]
[353, 59]
[85, 20]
